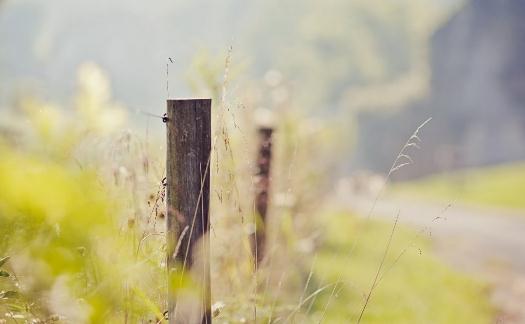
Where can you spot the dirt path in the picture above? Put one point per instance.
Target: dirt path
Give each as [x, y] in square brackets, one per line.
[486, 243]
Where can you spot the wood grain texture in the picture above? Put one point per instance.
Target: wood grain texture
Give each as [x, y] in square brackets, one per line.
[188, 196]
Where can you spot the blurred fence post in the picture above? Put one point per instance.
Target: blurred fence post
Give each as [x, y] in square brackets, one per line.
[188, 196]
[262, 186]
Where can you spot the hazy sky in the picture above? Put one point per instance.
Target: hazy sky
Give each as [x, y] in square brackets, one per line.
[43, 42]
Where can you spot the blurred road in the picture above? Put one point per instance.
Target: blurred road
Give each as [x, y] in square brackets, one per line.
[486, 243]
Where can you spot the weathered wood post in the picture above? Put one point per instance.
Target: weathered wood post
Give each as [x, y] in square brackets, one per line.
[262, 186]
[188, 197]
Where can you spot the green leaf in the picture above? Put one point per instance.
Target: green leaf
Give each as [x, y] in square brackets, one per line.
[4, 260]
[4, 273]
[8, 294]
[148, 302]
[15, 307]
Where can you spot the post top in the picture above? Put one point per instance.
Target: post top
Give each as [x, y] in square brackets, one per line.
[265, 129]
[188, 99]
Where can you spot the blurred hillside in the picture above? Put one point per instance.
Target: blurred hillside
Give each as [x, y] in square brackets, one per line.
[324, 49]
[475, 99]
[392, 64]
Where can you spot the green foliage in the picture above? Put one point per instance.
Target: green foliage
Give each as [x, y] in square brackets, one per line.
[75, 252]
[500, 186]
[4, 260]
[333, 48]
[47, 213]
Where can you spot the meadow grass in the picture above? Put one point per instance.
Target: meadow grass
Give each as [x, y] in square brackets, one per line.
[498, 186]
[117, 266]
[414, 286]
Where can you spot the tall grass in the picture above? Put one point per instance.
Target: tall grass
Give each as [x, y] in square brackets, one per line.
[83, 220]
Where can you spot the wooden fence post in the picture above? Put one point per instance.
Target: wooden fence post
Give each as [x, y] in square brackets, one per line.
[188, 196]
[262, 186]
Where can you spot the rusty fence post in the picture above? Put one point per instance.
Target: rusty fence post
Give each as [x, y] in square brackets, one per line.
[262, 186]
[188, 195]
